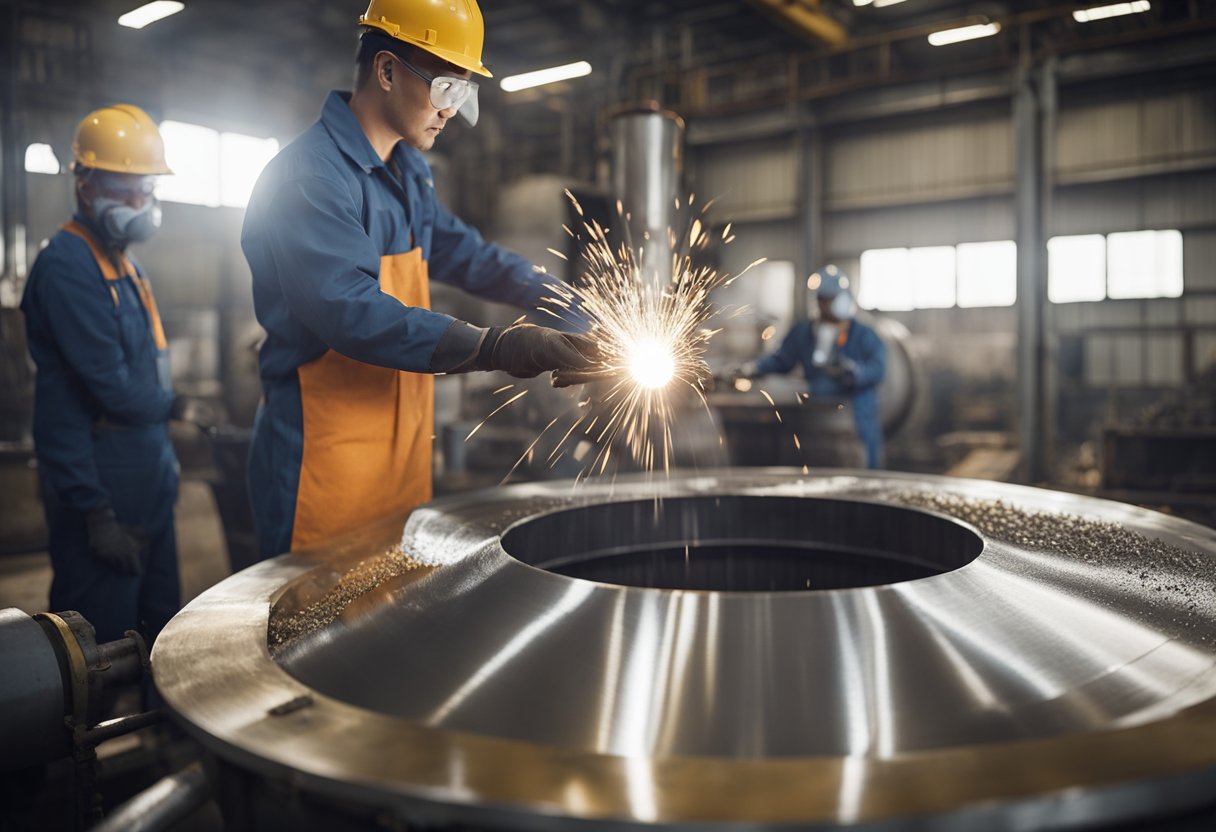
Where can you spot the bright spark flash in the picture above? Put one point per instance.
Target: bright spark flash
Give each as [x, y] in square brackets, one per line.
[651, 363]
[652, 335]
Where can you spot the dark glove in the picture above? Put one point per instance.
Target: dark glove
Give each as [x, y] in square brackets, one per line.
[195, 411]
[844, 371]
[527, 350]
[115, 546]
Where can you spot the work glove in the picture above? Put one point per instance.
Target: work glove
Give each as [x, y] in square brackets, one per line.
[844, 371]
[731, 373]
[748, 369]
[527, 350]
[195, 411]
[117, 547]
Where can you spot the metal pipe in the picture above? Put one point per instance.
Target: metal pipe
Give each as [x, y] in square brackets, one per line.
[161, 805]
[647, 158]
[112, 728]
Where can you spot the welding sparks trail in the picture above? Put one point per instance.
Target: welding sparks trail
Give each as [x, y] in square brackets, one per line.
[652, 328]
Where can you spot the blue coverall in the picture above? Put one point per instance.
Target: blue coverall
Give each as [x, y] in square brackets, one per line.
[326, 216]
[101, 411]
[865, 348]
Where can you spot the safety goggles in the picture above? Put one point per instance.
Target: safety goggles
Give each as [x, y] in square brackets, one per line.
[123, 186]
[448, 93]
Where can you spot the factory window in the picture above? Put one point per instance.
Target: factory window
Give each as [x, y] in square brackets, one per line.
[241, 161]
[1135, 264]
[987, 273]
[1144, 264]
[41, 158]
[193, 152]
[907, 278]
[1076, 268]
[211, 168]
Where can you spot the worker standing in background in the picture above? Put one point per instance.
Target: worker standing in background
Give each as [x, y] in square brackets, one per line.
[103, 397]
[342, 233]
[841, 357]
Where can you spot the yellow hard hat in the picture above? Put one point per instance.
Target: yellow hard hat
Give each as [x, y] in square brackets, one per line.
[449, 29]
[121, 138]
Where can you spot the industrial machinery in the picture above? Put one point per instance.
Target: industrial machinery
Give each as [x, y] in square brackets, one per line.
[743, 649]
[56, 692]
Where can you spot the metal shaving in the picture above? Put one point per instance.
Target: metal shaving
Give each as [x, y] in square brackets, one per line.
[360, 579]
[1186, 580]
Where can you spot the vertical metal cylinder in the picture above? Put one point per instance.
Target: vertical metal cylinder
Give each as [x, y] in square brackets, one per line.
[647, 160]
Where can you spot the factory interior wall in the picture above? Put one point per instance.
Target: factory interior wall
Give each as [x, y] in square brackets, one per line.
[947, 177]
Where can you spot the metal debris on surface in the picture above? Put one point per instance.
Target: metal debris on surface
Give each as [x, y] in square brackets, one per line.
[365, 576]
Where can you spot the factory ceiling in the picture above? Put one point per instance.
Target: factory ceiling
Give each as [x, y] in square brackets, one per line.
[524, 34]
[701, 57]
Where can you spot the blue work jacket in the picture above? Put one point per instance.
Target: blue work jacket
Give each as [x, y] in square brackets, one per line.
[865, 348]
[322, 215]
[102, 400]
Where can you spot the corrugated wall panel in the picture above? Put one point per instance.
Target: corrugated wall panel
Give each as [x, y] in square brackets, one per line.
[1205, 352]
[1175, 201]
[1163, 359]
[926, 162]
[1115, 135]
[753, 240]
[750, 180]
[1199, 259]
[944, 223]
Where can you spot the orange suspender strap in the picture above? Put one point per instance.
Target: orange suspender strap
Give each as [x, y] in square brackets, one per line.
[110, 272]
[843, 337]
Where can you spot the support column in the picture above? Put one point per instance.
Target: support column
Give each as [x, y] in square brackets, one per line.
[12, 161]
[1031, 270]
[810, 252]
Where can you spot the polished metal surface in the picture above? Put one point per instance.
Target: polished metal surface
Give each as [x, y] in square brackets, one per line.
[845, 648]
[647, 157]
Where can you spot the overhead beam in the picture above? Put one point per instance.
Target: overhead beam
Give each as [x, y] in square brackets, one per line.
[807, 18]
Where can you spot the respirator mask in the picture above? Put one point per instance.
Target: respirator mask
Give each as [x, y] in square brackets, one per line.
[114, 214]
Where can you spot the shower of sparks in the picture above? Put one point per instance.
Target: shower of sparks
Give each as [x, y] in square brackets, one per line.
[651, 331]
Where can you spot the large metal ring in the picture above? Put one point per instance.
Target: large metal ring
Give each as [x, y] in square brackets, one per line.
[1023, 658]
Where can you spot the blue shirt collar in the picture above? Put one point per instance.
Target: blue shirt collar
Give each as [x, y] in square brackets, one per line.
[342, 125]
[348, 135]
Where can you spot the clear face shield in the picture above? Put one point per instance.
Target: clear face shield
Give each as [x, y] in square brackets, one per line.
[448, 92]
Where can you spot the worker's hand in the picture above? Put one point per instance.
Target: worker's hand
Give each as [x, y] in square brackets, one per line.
[733, 372]
[844, 371]
[527, 350]
[115, 546]
[195, 411]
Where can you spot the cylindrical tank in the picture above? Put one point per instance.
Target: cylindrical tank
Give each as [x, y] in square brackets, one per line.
[647, 160]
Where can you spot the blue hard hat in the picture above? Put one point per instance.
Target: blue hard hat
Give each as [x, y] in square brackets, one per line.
[828, 281]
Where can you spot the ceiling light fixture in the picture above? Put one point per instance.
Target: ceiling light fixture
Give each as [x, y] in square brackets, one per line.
[1113, 10]
[540, 77]
[948, 36]
[150, 13]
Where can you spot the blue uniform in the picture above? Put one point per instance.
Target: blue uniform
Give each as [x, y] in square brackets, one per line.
[863, 346]
[329, 227]
[101, 410]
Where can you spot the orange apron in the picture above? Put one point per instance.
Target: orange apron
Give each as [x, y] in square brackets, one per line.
[110, 271]
[367, 429]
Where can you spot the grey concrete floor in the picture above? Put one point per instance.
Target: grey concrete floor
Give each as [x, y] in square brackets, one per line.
[25, 580]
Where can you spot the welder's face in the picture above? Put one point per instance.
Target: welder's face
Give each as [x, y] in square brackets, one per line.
[413, 116]
[825, 309]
